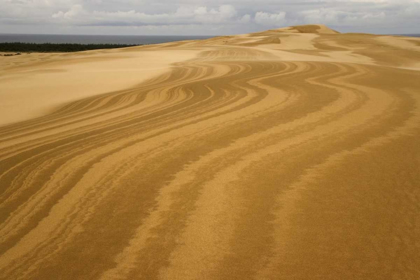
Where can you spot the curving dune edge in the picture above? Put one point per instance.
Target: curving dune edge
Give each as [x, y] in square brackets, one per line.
[286, 154]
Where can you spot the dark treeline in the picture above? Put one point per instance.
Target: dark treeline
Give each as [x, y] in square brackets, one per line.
[48, 47]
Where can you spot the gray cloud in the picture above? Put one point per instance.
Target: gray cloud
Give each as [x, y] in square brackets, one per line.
[204, 16]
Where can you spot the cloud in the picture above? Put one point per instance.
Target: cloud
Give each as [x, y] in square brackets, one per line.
[278, 19]
[183, 15]
[205, 16]
[386, 15]
[74, 12]
[245, 19]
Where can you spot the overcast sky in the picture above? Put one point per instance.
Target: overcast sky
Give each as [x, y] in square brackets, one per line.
[204, 17]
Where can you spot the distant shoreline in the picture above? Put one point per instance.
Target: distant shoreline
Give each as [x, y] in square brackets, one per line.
[407, 35]
[95, 39]
[49, 47]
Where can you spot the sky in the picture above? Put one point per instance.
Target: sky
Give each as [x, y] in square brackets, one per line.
[205, 17]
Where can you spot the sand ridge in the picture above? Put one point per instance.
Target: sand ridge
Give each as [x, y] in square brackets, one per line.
[284, 154]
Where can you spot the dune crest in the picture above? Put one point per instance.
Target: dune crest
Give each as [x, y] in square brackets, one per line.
[313, 28]
[285, 154]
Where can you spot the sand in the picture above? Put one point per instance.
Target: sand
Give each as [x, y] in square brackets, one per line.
[287, 154]
[53, 80]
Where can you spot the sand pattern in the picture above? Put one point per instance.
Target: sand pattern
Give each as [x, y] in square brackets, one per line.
[287, 154]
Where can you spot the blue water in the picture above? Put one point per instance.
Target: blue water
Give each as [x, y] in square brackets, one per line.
[94, 39]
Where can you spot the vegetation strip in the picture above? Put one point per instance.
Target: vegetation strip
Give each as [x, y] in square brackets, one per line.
[49, 47]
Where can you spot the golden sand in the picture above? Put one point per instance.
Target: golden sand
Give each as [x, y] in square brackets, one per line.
[286, 154]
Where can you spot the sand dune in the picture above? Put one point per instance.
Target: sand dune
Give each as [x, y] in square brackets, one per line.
[286, 154]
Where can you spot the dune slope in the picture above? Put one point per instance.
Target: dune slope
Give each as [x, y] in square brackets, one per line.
[286, 154]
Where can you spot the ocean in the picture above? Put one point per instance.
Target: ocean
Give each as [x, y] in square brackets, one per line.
[409, 35]
[94, 39]
[106, 39]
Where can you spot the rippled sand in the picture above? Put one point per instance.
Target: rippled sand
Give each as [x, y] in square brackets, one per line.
[285, 154]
